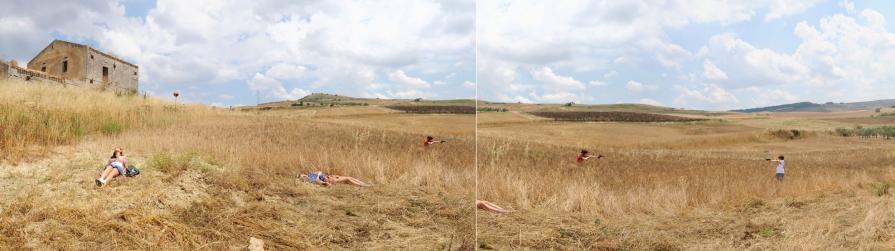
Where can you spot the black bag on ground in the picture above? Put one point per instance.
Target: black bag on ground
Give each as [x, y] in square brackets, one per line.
[131, 171]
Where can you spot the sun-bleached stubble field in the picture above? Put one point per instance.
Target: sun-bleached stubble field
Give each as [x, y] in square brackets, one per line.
[695, 185]
[213, 178]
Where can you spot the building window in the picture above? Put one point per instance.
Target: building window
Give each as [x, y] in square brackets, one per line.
[105, 74]
[91, 56]
[135, 73]
[64, 66]
[43, 69]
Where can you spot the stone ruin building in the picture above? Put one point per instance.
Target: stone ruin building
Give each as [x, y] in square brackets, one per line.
[68, 63]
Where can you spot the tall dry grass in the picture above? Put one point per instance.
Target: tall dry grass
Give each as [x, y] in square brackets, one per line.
[532, 175]
[33, 114]
[704, 192]
[220, 177]
[213, 178]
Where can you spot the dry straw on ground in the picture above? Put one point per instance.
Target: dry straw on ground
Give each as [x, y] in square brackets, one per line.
[213, 178]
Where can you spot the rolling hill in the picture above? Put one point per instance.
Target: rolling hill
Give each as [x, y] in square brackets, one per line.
[826, 107]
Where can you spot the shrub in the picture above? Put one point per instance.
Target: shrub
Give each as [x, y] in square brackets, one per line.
[788, 134]
[613, 116]
[492, 109]
[458, 109]
[881, 188]
[880, 131]
[768, 232]
[112, 127]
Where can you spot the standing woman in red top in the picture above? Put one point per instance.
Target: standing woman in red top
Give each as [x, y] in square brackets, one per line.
[585, 155]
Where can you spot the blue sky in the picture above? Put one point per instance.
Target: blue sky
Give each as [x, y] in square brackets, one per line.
[226, 52]
[698, 54]
[691, 54]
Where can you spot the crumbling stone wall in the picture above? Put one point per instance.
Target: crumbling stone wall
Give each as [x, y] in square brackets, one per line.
[4, 70]
[76, 64]
[120, 76]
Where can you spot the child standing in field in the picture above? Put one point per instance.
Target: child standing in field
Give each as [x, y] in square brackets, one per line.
[585, 155]
[780, 164]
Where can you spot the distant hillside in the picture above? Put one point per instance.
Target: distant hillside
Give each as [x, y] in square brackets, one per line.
[624, 107]
[336, 100]
[826, 107]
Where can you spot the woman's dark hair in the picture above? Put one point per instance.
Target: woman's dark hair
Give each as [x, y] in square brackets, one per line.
[429, 138]
[781, 157]
[113, 154]
[583, 151]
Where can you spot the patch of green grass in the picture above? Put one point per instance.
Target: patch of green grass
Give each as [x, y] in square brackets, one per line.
[162, 161]
[349, 213]
[768, 232]
[111, 128]
[484, 246]
[881, 188]
[885, 131]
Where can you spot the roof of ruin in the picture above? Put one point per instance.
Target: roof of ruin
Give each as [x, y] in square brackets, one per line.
[89, 48]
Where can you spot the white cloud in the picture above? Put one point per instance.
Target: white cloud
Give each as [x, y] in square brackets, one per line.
[829, 60]
[637, 86]
[343, 46]
[546, 76]
[705, 96]
[848, 5]
[584, 36]
[469, 84]
[782, 8]
[712, 72]
[754, 65]
[286, 71]
[597, 83]
[401, 78]
[274, 88]
[769, 97]
[610, 74]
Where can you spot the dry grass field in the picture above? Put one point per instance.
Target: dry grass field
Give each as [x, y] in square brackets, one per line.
[213, 178]
[683, 186]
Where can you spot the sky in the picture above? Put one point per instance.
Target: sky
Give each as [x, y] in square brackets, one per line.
[695, 54]
[231, 52]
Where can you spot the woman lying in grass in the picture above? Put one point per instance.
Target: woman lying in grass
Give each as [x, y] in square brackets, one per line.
[115, 167]
[319, 177]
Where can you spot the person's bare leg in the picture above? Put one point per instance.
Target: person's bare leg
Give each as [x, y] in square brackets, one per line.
[357, 182]
[485, 205]
[112, 174]
[106, 172]
[346, 179]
